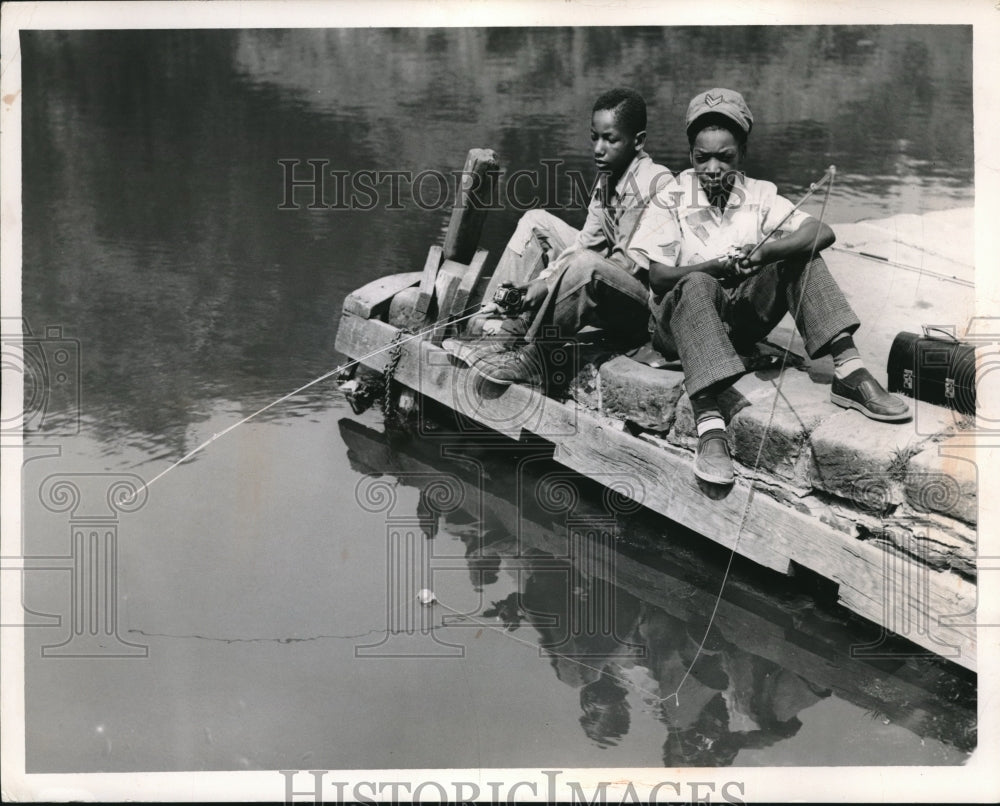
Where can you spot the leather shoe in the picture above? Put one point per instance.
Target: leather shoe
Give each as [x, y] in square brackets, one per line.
[526, 365]
[712, 462]
[861, 391]
[471, 351]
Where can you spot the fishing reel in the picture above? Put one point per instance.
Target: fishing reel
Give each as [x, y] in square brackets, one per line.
[508, 298]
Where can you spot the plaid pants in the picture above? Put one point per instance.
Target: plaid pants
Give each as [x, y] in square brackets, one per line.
[708, 325]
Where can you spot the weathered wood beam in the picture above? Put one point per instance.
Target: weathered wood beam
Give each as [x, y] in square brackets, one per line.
[427, 279]
[474, 198]
[470, 280]
[374, 298]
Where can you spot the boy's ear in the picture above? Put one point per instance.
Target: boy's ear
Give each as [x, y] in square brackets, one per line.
[640, 140]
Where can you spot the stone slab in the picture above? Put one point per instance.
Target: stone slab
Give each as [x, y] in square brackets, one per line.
[633, 391]
[402, 310]
[865, 461]
[778, 441]
[943, 478]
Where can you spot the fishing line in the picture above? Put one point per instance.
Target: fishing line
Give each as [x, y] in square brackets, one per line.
[760, 448]
[147, 484]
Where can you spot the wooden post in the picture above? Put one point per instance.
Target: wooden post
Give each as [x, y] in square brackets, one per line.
[469, 212]
[431, 266]
[470, 280]
[449, 280]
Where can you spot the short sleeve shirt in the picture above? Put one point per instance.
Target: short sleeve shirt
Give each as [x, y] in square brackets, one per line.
[640, 182]
[681, 228]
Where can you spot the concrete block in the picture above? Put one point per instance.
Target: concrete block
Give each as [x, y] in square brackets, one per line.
[799, 406]
[866, 461]
[943, 478]
[636, 392]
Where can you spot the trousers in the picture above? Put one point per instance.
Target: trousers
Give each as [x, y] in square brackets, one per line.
[584, 287]
[708, 325]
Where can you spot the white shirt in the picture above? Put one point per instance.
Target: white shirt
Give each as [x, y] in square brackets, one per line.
[681, 228]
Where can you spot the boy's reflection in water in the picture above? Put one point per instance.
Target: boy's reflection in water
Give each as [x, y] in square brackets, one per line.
[605, 641]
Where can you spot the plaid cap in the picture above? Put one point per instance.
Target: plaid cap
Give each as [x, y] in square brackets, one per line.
[724, 102]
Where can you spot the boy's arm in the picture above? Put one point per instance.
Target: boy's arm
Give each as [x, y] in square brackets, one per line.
[592, 233]
[797, 234]
[796, 244]
[664, 276]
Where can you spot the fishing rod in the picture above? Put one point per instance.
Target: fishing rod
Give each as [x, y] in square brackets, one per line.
[827, 177]
[353, 362]
[951, 278]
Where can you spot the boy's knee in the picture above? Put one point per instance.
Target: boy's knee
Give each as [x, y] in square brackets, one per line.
[696, 283]
[537, 220]
[532, 222]
[536, 215]
[583, 266]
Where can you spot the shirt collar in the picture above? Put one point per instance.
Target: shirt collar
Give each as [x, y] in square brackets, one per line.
[633, 168]
[624, 184]
[694, 193]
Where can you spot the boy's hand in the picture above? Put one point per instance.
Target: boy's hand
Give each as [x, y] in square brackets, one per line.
[534, 293]
[747, 263]
[532, 296]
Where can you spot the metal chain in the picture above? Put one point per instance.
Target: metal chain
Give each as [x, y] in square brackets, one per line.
[395, 350]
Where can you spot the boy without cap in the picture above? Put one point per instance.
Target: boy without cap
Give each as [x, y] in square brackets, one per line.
[710, 303]
[590, 280]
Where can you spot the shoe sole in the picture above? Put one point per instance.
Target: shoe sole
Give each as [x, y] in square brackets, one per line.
[847, 403]
[485, 375]
[715, 479]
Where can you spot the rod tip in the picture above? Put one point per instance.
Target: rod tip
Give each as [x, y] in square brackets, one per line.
[832, 170]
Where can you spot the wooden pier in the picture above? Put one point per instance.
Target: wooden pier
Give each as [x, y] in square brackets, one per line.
[886, 512]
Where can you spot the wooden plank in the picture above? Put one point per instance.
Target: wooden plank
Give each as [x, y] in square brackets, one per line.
[470, 279]
[431, 266]
[474, 198]
[661, 480]
[448, 282]
[372, 299]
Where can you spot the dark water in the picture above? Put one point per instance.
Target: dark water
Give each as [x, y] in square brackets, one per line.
[153, 237]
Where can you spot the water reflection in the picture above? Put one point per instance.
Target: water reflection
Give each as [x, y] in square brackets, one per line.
[619, 610]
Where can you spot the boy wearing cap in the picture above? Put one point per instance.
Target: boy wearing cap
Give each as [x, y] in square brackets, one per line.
[707, 300]
[591, 280]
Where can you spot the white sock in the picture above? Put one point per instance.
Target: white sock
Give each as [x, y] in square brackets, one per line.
[845, 369]
[710, 423]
